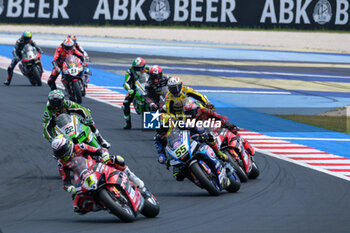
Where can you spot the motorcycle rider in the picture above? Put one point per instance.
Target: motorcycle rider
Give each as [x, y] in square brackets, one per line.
[56, 105]
[64, 151]
[137, 69]
[177, 93]
[194, 111]
[161, 139]
[155, 84]
[62, 52]
[26, 38]
[79, 47]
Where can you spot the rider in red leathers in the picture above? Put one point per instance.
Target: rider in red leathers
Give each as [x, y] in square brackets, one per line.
[198, 113]
[62, 52]
[64, 150]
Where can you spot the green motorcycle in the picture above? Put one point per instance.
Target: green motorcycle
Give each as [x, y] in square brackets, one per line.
[71, 126]
[139, 101]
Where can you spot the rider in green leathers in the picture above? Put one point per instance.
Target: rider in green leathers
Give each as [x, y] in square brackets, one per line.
[57, 105]
[137, 68]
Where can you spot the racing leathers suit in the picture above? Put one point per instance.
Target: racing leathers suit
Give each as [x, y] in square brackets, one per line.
[69, 107]
[174, 104]
[17, 56]
[154, 91]
[59, 58]
[84, 203]
[129, 86]
[205, 113]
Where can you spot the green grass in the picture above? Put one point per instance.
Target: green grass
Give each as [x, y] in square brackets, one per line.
[335, 123]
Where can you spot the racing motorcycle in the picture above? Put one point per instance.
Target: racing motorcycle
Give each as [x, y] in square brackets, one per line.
[197, 161]
[75, 78]
[71, 126]
[238, 156]
[139, 101]
[30, 65]
[112, 190]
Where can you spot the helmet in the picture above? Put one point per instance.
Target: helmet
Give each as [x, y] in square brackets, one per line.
[62, 148]
[175, 85]
[191, 109]
[56, 99]
[73, 37]
[68, 44]
[155, 73]
[138, 65]
[27, 36]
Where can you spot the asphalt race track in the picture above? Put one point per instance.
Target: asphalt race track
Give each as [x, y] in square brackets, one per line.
[285, 197]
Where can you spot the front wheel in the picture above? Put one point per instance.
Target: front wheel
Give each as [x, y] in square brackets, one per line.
[254, 173]
[239, 170]
[36, 75]
[233, 183]
[150, 207]
[77, 92]
[204, 180]
[121, 210]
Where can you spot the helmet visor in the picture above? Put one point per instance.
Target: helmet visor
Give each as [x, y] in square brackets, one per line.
[64, 152]
[56, 103]
[175, 89]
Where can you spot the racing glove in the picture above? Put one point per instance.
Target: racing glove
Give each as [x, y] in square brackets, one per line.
[105, 157]
[130, 91]
[210, 105]
[162, 158]
[71, 189]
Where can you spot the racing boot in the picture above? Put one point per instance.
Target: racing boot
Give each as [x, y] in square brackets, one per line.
[179, 176]
[101, 140]
[127, 122]
[9, 76]
[139, 183]
[218, 152]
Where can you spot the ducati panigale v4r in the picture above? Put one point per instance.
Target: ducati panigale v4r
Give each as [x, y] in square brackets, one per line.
[240, 158]
[197, 161]
[30, 65]
[112, 190]
[75, 78]
[71, 126]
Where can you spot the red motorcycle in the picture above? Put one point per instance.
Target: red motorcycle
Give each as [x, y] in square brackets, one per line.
[30, 65]
[75, 78]
[233, 146]
[112, 190]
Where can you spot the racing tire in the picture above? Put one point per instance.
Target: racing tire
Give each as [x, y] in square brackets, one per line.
[125, 213]
[234, 183]
[77, 92]
[254, 173]
[239, 170]
[150, 207]
[204, 180]
[36, 75]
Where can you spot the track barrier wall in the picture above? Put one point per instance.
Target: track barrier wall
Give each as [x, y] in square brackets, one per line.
[294, 14]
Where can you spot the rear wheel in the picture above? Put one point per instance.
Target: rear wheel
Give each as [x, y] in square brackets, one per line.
[239, 170]
[121, 210]
[36, 75]
[204, 180]
[77, 92]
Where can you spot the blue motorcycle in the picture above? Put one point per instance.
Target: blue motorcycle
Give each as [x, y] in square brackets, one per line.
[198, 163]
